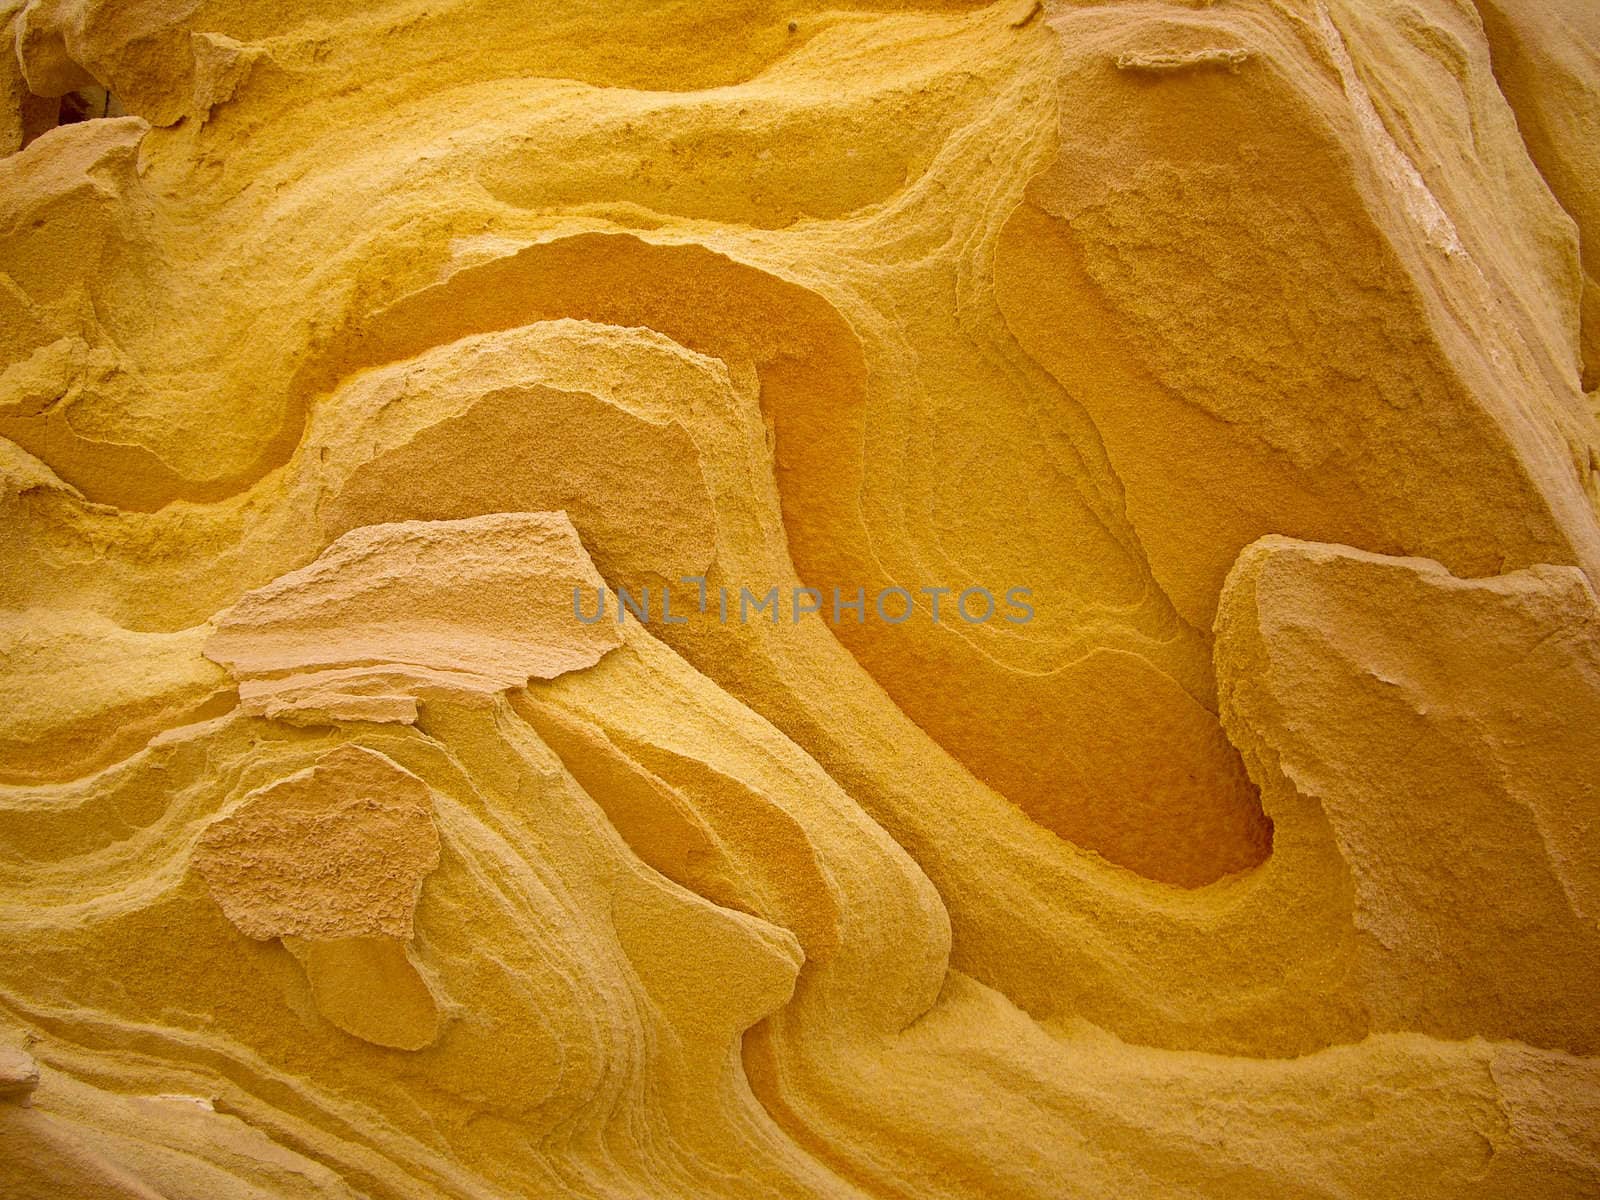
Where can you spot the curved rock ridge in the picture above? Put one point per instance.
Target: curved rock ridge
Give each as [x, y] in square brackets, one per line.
[402, 407]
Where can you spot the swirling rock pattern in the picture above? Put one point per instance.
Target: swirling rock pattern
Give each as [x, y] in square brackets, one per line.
[351, 353]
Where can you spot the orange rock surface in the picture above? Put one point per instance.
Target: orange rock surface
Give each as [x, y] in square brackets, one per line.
[931, 601]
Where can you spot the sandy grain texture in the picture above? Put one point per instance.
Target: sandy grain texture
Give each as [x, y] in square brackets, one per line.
[341, 342]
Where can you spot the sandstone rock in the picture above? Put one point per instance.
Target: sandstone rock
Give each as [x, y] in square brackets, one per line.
[476, 605]
[1447, 731]
[1256, 342]
[19, 1074]
[335, 852]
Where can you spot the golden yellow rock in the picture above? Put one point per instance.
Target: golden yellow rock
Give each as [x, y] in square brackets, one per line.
[922, 600]
[472, 606]
[337, 851]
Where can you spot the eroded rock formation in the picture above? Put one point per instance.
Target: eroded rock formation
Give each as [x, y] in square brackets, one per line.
[354, 357]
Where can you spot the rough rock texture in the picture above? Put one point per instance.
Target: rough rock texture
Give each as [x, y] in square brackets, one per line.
[337, 851]
[347, 349]
[471, 606]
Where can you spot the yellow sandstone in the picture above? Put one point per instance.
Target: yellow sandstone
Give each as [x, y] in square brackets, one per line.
[930, 601]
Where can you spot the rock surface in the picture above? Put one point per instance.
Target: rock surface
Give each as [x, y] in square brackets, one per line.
[352, 354]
